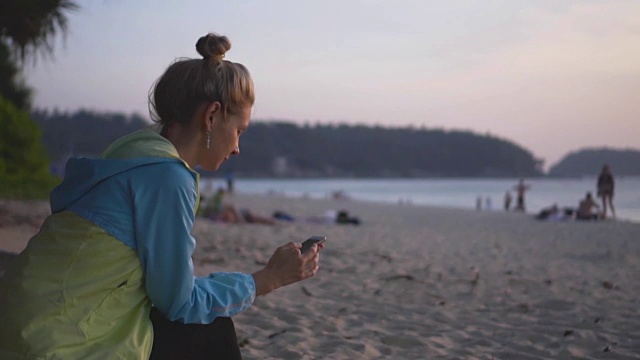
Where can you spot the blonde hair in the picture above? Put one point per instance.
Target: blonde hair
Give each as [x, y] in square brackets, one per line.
[187, 84]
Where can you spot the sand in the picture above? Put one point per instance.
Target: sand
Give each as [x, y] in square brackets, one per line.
[424, 283]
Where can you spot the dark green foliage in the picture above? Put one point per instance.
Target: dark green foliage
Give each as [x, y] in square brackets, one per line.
[318, 151]
[26, 27]
[24, 167]
[12, 87]
[360, 151]
[83, 133]
[589, 162]
[30, 26]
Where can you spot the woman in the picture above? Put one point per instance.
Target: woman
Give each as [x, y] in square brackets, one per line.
[109, 275]
[605, 190]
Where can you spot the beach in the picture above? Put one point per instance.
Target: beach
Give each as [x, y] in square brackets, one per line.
[414, 282]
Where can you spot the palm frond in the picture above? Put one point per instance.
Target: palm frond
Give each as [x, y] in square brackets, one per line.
[30, 26]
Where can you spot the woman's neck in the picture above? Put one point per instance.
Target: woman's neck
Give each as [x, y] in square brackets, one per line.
[185, 141]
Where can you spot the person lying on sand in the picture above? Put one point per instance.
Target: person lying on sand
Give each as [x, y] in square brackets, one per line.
[230, 215]
[330, 217]
[215, 210]
[554, 213]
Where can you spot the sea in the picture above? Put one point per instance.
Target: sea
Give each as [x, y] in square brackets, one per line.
[450, 192]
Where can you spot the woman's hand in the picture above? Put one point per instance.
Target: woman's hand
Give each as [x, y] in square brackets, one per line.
[286, 266]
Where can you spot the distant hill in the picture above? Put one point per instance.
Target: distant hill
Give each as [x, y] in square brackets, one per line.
[84, 132]
[589, 162]
[281, 149]
[288, 150]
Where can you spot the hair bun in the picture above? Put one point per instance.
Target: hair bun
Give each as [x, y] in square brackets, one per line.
[213, 46]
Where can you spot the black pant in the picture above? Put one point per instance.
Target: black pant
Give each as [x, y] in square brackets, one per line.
[175, 340]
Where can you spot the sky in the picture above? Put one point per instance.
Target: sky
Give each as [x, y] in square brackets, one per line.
[553, 76]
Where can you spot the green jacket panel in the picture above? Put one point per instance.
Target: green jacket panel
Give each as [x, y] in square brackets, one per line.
[80, 293]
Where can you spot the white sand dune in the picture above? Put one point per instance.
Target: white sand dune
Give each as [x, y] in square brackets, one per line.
[427, 283]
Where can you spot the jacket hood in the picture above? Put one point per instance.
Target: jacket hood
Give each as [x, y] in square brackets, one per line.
[137, 149]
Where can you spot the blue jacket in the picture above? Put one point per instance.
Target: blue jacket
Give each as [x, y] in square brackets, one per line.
[136, 207]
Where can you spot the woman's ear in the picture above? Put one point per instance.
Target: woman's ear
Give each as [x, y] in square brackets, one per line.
[212, 110]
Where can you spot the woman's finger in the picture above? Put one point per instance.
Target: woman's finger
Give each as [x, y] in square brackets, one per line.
[309, 254]
[310, 272]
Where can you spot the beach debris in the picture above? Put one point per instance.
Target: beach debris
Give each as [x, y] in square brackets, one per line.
[277, 333]
[568, 332]
[442, 303]
[606, 349]
[548, 281]
[522, 308]
[597, 320]
[427, 269]
[476, 277]
[610, 286]
[306, 291]
[401, 276]
[244, 342]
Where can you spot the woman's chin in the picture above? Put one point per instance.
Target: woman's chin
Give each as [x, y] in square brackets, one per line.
[211, 167]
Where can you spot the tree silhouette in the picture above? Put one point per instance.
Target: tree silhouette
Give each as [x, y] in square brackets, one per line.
[12, 87]
[280, 149]
[27, 27]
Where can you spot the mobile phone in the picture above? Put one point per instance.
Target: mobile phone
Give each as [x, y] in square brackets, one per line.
[310, 241]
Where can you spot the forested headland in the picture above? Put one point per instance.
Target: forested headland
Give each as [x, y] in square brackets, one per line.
[589, 162]
[283, 149]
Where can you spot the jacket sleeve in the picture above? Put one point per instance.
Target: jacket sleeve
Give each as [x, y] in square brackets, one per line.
[164, 198]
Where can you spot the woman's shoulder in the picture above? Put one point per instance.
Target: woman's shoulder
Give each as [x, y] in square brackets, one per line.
[164, 174]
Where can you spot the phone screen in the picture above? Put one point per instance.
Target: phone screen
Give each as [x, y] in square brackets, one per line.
[312, 240]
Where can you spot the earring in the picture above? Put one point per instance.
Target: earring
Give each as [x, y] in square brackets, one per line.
[208, 139]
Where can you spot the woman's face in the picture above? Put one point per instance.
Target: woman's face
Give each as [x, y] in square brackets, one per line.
[225, 137]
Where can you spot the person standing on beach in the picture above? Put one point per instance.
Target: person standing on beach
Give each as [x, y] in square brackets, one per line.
[507, 201]
[110, 274]
[229, 178]
[521, 188]
[605, 190]
[488, 204]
